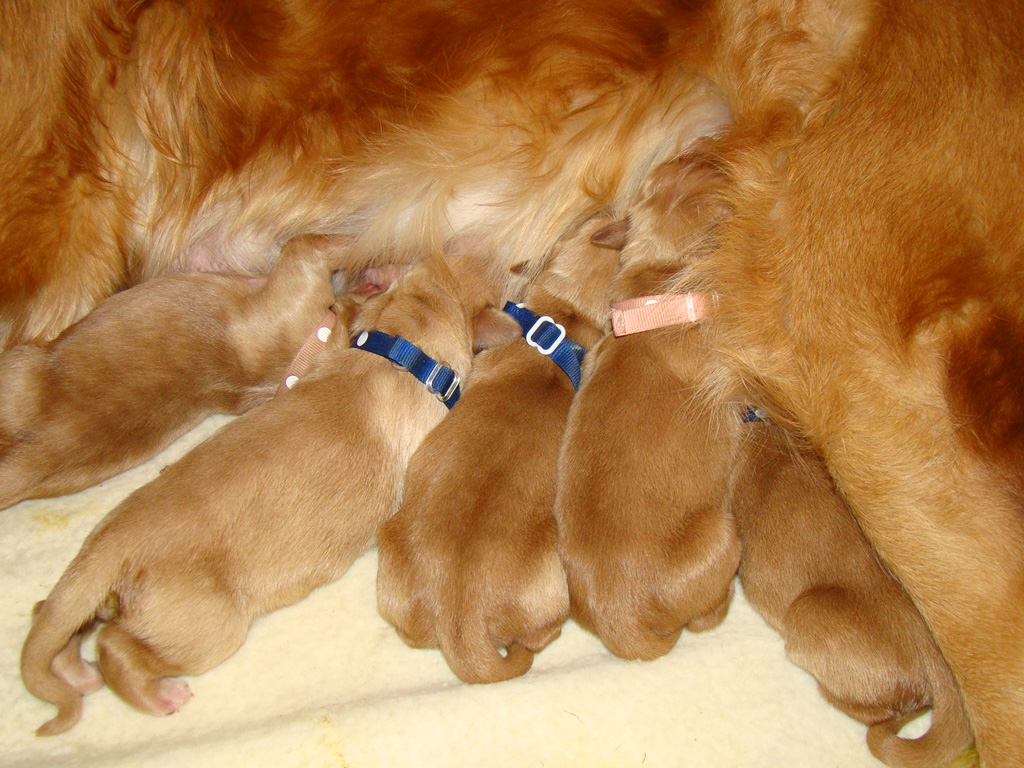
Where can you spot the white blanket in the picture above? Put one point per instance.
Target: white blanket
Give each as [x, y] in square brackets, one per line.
[328, 683]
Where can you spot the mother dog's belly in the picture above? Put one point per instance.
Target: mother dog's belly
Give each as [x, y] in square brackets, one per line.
[504, 190]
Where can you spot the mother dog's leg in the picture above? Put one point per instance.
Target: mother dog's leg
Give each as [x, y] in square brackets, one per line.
[945, 514]
[874, 297]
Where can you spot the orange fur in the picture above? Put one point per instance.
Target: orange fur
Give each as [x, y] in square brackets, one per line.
[809, 570]
[870, 283]
[149, 364]
[869, 278]
[277, 503]
[470, 562]
[203, 135]
[644, 530]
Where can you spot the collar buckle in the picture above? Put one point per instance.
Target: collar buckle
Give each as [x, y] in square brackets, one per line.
[562, 350]
[453, 386]
[537, 328]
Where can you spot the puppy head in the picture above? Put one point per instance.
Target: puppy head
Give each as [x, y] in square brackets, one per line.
[579, 274]
[444, 304]
[671, 228]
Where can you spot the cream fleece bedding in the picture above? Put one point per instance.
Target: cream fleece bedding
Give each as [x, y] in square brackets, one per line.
[328, 683]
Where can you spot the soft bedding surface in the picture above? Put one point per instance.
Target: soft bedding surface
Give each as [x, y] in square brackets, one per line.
[327, 682]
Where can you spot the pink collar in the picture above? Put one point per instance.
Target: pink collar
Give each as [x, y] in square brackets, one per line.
[646, 313]
[308, 352]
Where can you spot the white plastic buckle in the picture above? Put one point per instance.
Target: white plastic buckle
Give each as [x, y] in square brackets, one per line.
[554, 344]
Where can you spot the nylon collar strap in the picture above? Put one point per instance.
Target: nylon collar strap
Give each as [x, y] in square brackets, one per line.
[646, 313]
[308, 352]
[441, 380]
[548, 337]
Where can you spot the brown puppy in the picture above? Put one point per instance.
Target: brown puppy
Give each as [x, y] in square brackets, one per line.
[149, 364]
[278, 502]
[644, 530]
[470, 562]
[809, 570]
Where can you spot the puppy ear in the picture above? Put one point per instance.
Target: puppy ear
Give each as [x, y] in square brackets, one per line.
[331, 250]
[614, 235]
[493, 328]
[346, 308]
[692, 181]
[480, 282]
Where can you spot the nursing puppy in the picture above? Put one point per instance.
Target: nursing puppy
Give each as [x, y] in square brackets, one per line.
[871, 299]
[150, 363]
[470, 561]
[642, 503]
[809, 570]
[277, 503]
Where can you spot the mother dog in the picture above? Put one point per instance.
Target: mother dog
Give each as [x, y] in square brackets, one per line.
[871, 286]
[870, 280]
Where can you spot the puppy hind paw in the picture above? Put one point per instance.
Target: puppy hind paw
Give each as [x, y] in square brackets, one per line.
[416, 634]
[476, 659]
[171, 695]
[537, 641]
[712, 618]
[635, 639]
[85, 677]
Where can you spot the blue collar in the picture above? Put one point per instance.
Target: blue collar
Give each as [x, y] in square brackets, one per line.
[442, 381]
[548, 337]
[750, 414]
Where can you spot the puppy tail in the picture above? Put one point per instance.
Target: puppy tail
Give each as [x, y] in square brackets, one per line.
[475, 659]
[948, 742]
[57, 622]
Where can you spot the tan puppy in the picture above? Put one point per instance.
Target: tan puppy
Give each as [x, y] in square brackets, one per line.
[149, 364]
[644, 530]
[809, 570]
[470, 561]
[277, 503]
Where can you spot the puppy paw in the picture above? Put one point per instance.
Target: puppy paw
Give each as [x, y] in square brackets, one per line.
[475, 657]
[81, 675]
[639, 601]
[171, 695]
[488, 608]
[629, 618]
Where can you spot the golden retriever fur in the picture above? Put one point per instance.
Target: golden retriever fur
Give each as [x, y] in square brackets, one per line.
[642, 508]
[150, 363]
[870, 283]
[277, 503]
[869, 279]
[204, 135]
[470, 562]
[809, 570]
[644, 529]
